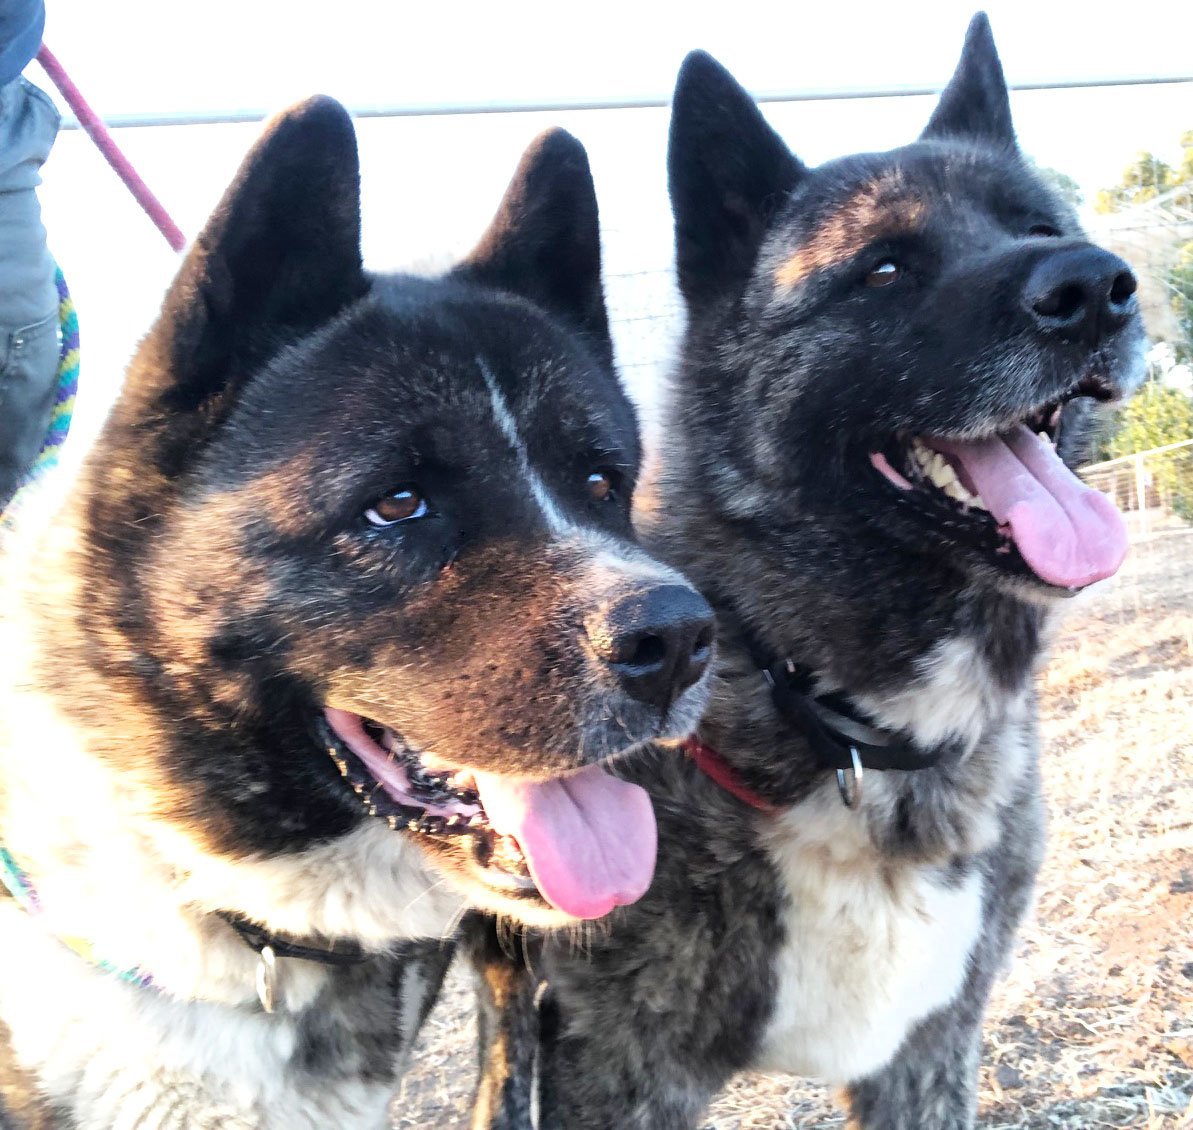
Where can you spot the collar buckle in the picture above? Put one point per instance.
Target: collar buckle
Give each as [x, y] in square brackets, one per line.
[849, 781]
[267, 978]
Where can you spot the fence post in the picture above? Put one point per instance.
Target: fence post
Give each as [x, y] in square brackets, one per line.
[1141, 492]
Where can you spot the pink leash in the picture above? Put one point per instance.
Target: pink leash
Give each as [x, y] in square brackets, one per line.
[98, 133]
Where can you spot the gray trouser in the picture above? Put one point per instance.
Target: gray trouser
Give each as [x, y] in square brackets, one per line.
[28, 298]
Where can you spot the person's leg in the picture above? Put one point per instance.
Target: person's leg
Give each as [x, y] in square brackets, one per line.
[28, 297]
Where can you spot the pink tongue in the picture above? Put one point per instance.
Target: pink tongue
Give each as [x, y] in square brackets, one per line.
[588, 838]
[1070, 534]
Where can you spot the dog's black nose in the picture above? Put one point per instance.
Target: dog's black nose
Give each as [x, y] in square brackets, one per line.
[1081, 294]
[656, 640]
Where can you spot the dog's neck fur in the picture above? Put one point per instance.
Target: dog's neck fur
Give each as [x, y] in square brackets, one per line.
[98, 1048]
[133, 883]
[956, 672]
[194, 1044]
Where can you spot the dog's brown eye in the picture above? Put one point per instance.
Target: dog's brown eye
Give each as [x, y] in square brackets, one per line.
[1044, 231]
[887, 272]
[600, 486]
[400, 506]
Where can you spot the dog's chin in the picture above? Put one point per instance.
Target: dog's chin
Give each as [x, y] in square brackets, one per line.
[441, 807]
[996, 498]
[1022, 585]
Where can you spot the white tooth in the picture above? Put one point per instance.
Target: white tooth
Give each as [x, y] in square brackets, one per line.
[943, 476]
[942, 473]
[978, 503]
[957, 491]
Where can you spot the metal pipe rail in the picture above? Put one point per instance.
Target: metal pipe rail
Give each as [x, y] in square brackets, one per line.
[565, 105]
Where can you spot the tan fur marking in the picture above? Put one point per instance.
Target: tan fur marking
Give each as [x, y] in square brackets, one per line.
[878, 212]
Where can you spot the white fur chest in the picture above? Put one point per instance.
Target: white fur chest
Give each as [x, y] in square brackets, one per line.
[869, 950]
[873, 946]
[115, 1056]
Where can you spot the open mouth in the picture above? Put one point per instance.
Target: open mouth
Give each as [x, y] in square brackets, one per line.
[584, 842]
[1009, 494]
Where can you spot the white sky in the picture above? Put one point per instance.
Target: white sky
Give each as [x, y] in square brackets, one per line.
[430, 184]
[164, 54]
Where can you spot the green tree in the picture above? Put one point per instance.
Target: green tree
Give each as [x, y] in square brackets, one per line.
[1180, 280]
[1143, 180]
[1184, 171]
[1155, 416]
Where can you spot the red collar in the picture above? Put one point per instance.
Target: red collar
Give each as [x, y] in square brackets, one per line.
[713, 765]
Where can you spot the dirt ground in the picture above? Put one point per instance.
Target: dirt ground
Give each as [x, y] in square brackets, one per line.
[1093, 1025]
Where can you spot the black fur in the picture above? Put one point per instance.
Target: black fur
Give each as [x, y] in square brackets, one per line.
[220, 574]
[793, 370]
[290, 367]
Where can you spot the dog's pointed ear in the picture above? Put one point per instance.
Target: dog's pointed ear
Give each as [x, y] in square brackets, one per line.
[975, 104]
[279, 257]
[728, 171]
[544, 243]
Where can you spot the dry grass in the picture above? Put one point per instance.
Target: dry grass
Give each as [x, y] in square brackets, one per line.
[1093, 1026]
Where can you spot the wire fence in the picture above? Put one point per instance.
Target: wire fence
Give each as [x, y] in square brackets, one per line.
[1156, 238]
[1153, 489]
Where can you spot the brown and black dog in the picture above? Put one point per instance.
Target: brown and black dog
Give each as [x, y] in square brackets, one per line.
[327, 643]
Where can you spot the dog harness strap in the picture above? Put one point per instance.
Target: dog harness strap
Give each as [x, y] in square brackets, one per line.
[332, 951]
[713, 765]
[15, 882]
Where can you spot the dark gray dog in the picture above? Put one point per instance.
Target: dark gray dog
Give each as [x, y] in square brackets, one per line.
[861, 470]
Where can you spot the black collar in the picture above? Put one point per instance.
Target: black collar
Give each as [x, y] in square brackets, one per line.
[327, 951]
[840, 734]
[269, 947]
[842, 738]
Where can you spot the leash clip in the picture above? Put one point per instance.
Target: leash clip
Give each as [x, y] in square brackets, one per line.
[267, 977]
[849, 781]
